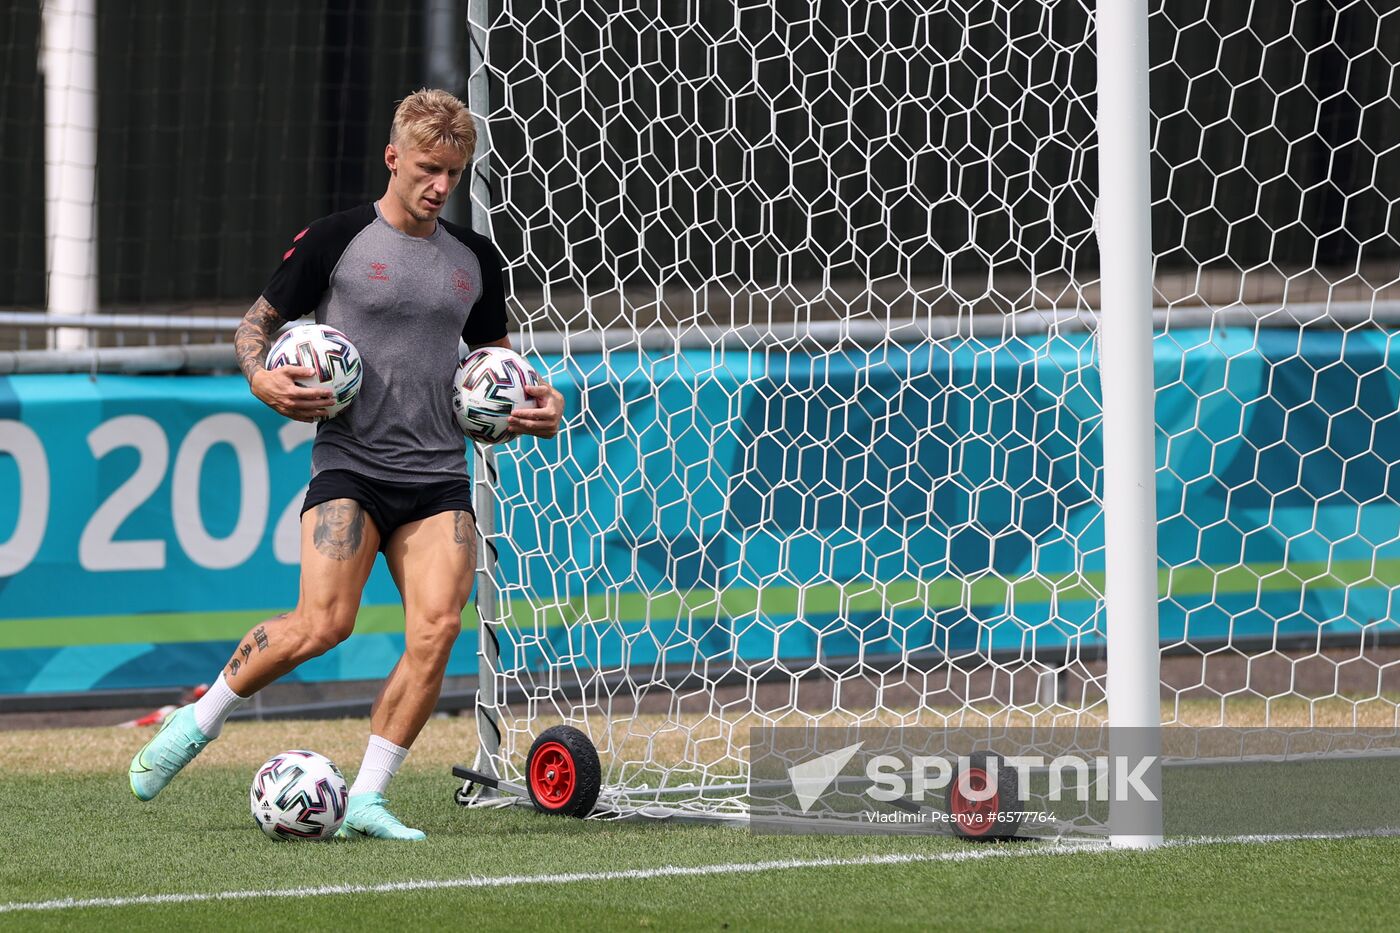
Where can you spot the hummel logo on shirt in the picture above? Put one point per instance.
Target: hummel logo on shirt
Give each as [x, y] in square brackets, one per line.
[288, 254]
[379, 271]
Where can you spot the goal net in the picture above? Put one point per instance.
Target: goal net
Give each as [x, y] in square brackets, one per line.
[821, 285]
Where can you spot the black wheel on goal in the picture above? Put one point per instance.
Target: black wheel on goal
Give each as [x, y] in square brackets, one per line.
[563, 773]
[977, 814]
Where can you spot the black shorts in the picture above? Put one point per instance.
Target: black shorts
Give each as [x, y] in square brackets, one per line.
[390, 505]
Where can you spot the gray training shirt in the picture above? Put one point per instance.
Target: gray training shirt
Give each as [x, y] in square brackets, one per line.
[403, 301]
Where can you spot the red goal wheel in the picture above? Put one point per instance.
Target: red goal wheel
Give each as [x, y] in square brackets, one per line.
[979, 811]
[563, 773]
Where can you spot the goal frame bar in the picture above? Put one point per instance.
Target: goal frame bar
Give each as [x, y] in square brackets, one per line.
[1125, 344]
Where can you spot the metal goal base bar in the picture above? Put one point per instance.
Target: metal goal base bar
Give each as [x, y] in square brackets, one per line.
[614, 802]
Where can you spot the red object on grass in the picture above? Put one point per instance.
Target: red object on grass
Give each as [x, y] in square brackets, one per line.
[157, 716]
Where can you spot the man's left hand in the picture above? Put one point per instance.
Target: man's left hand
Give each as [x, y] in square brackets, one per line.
[542, 421]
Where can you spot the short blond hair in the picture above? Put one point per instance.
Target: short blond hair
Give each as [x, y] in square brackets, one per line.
[429, 118]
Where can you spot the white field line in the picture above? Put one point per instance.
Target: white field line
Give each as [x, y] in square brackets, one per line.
[970, 854]
[503, 881]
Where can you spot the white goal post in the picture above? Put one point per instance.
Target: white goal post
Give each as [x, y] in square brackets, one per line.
[1125, 366]
[858, 309]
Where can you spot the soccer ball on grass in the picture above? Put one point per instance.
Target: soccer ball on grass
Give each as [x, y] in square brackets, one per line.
[298, 795]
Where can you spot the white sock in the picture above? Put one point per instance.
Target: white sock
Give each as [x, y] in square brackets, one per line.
[213, 708]
[382, 760]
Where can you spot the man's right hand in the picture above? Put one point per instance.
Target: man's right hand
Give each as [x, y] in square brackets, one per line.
[278, 390]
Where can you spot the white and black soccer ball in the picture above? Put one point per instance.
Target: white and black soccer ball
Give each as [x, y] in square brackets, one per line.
[489, 384]
[298, 795]
[329, 352]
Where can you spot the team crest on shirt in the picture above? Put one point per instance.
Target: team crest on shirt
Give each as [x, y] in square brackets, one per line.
[462, 281]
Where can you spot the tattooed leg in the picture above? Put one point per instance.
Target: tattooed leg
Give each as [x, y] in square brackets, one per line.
[464, 530]
[464, 535]
[338, 549]
[243, 652]
[340, 528]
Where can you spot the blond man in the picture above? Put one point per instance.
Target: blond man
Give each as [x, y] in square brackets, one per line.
[388, 473]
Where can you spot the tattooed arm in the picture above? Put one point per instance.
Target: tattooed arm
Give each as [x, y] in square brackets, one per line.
[254, 336]
[275, 388]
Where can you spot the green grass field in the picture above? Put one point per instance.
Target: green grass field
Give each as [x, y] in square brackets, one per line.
[76, 832]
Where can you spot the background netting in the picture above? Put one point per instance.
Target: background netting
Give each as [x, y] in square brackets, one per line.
[760, 513]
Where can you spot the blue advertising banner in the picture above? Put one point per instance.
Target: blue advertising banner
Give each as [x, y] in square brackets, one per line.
[932, 498]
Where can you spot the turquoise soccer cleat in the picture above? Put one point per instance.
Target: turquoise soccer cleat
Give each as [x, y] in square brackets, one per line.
[366, 815]
[173, 747]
